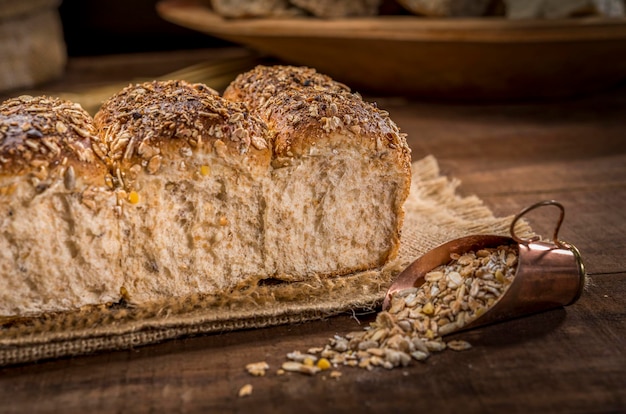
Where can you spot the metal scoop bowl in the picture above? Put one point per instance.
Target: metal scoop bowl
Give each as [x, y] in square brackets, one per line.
[548, 274]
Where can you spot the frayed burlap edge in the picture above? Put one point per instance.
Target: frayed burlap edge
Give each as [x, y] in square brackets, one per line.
[434, 214]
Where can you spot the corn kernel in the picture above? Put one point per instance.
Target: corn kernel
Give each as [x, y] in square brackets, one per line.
[133, 197]
[500, 276]
[323, 364]
[428, 309]
[308, 362]
[205, 170]
[223, 221]
[124, 293]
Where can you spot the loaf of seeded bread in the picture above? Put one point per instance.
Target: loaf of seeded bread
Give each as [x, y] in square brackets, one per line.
[172, 190]
[447, 8]
[59, 238]
[189, 169]
[340, 173]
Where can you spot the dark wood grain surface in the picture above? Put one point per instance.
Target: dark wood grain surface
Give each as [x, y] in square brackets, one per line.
[569, 360]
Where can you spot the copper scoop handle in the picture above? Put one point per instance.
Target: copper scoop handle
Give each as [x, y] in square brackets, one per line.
[555, 237]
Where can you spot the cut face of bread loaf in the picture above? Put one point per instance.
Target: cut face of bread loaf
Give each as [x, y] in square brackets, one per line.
[337, 185]
[172, 190]
[189, 169]
[59, 247]
[340, 173]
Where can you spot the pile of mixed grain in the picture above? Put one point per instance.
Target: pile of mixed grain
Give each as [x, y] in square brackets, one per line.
[453, 295]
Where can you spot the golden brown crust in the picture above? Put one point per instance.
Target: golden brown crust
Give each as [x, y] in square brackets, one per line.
[258, 85]
[309, 109]
[339, 120]
[145, 122]
[42, 133]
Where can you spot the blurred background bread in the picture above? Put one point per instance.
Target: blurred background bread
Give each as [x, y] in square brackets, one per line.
[339, 8]
[254, 8]
[32, 44]
[447, 8]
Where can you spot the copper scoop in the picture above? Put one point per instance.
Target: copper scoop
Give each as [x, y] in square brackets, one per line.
[548, 274]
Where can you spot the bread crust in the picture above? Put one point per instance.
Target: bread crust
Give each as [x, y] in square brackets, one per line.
[261, 83]
[307, 108]
[45, 135]
[306, 121]
[145, 123]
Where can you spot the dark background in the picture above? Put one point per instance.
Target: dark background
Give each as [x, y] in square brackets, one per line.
[128, 26]
[94, 28]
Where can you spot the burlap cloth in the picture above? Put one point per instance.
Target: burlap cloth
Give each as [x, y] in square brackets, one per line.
[435, 213]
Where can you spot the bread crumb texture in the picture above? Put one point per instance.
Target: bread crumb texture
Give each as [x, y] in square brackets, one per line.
[173, 191]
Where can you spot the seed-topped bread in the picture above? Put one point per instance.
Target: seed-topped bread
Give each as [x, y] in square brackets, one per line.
[172, 190]
[58, 234]
[261, 83]
[341, 173]
[148, 124]
[189, 168]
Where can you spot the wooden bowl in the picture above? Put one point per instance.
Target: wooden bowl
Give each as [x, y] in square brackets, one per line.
[453, 59]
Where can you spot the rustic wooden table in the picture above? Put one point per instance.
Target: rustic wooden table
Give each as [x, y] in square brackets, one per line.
[570, 360]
